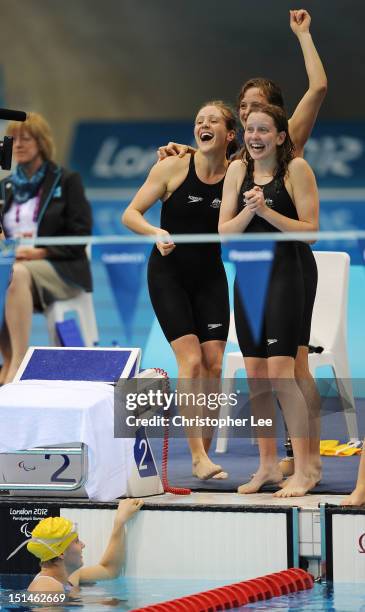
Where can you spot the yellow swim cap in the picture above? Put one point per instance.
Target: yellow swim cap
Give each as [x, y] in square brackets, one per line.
[51, 537]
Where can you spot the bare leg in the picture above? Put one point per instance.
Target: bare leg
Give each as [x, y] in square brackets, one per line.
[312, 398]
[189, 358]
[295, 412]
[5, 347]
[18, 316]
[213, 352]
[357, 497]
[262, 406]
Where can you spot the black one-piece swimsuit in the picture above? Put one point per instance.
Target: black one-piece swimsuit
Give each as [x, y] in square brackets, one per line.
[292, 286]
[188, 288]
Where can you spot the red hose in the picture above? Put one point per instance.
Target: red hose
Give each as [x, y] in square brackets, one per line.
[165, 452]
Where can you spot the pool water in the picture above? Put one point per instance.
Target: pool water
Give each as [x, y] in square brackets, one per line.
[139, 592]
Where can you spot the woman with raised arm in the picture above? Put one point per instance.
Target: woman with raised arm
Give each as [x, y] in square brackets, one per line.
[260, 90]
[187, 282]
[55, 542]
[268, 190]
[266, 91]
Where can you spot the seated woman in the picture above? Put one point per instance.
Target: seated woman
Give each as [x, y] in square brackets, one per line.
[40, 199]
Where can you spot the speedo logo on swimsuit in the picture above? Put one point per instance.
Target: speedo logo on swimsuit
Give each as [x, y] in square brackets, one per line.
[271, 341]
[194, 199]
[216, 203]
[214, 325]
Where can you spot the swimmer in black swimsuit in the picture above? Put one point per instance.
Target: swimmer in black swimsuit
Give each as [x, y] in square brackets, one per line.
[187, 283]
[268, 172]
[264, 91]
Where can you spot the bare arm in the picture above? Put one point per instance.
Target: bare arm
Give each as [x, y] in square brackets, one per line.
[229, 221]
[154, 188]
[305, 197]
[303, 119]
[112, 560]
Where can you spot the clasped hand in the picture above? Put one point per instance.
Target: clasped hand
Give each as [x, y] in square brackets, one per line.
[255, 201]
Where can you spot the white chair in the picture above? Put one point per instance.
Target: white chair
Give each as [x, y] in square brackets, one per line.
[83, 305]
[329, 330]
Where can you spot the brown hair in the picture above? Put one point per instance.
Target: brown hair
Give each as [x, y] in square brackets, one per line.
[285, 151]
[269, 89]
[230, 121]
[38, 127]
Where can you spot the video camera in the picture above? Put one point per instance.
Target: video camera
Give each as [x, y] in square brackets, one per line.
[6, 145]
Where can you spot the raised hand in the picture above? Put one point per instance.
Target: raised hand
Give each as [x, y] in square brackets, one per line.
[300, 21]
[126, 509]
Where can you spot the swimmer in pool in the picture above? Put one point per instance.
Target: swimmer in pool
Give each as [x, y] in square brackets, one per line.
[55, 542]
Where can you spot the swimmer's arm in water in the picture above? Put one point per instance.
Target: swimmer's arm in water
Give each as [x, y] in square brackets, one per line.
[174, 149]
[302, 121]
[112, 560]
[303, 190]
[229, 221]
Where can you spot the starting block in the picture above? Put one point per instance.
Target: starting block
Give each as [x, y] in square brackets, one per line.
[62, 469]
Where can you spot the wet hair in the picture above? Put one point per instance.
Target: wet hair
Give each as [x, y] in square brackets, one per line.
[37, 126]
[230, 120]
[269, 89]
[285, 151]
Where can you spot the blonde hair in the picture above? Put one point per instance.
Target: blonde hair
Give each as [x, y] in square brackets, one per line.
[39, 129]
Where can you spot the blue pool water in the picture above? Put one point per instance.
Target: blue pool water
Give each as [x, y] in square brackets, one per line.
[138, 592]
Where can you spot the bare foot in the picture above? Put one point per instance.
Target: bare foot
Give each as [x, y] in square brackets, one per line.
[204, 468]
[220, 476]
[357, 497]
[314, 473]
[262, 477]
[296, 486]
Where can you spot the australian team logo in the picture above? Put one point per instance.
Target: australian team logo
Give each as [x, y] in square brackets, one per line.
[216, 203]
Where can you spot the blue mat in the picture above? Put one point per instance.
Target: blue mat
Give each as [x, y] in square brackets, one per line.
[241, 459]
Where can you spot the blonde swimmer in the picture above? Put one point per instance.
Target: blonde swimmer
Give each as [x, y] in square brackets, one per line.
[55, 542]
